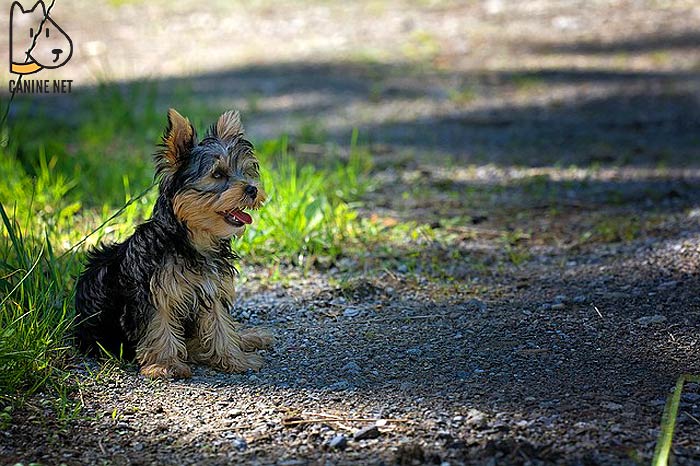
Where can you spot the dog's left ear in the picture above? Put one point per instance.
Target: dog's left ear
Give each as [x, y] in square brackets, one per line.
[228, 126]
[178, 140]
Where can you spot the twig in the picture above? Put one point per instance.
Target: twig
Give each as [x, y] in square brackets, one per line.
[390, 319]
[296, 422]
[597, 310]
[691, 417]
[102, 448]
[227, 429]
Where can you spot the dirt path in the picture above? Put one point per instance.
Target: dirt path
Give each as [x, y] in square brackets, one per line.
[556, 145]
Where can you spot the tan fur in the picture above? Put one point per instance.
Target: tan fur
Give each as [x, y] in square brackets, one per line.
[178, 138]
[228, 126]
[254, 338]
[162, 351]
[199, 211]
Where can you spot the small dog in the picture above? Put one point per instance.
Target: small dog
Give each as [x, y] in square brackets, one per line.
[163, 295]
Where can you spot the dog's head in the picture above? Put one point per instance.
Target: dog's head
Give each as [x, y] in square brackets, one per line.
[210, 183]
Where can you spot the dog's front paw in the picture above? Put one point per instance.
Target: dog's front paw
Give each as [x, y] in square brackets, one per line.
[240, 361]
[255, 338]
[175, 370]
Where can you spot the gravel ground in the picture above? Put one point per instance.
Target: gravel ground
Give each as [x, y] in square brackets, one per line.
[552, 146]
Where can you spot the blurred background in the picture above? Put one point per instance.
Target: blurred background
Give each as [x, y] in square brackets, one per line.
[533, 83]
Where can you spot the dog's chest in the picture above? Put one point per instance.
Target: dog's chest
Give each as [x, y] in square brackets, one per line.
[188, 291]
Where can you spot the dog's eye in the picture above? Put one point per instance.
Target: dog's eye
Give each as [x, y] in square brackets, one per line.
[219, 175]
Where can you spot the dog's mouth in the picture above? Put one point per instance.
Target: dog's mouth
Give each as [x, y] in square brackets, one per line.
[236, 217]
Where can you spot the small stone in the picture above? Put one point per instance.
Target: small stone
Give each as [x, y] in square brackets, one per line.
[339, 386]
[380, 423]
[580, 299]
[613, 406]
[475, 418]
[138, 446]
[402, 268]
[668, 285]
[389, 290]
[560, 299]
[367, 433]
[414, 351]
[352, 368]
[476, 305]
[234, 413]
[649, 320]
[339, 442]
[351, 312]
[558, 306]
[458, 419]
[239, 444]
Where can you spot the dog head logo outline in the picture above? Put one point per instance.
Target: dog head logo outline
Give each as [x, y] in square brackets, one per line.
[33, 45]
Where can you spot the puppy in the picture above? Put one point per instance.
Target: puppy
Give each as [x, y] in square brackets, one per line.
[163, 296]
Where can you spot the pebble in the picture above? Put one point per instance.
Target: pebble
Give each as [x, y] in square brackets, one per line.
[580, 299]
[351, 312]
[339, 385]
[402, 268]
[648, 320]
[367, 433]
[475, 418]
[414, 351]
[239, 444]
[558, 299]
[234, 413]
[613, 406]
[558, 306]
[667, 285]
[339, 442]
[476, 305]
[352, 368]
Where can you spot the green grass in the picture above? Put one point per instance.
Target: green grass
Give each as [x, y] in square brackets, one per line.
[662, 452]
[63, 178]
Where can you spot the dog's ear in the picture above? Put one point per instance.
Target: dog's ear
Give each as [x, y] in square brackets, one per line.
[178, 140]
[228, 126]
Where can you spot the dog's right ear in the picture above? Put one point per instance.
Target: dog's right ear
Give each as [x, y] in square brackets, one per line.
[178, 140]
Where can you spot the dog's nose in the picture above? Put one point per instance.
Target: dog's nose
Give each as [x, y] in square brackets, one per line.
[57, 51]
[251, 191]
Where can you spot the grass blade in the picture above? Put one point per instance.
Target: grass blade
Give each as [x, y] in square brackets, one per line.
[668, 421]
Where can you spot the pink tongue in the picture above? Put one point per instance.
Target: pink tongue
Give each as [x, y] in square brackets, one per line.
[241, 216]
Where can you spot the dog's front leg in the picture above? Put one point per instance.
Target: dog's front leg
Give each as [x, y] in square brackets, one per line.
[223, 344]
[161, 351]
